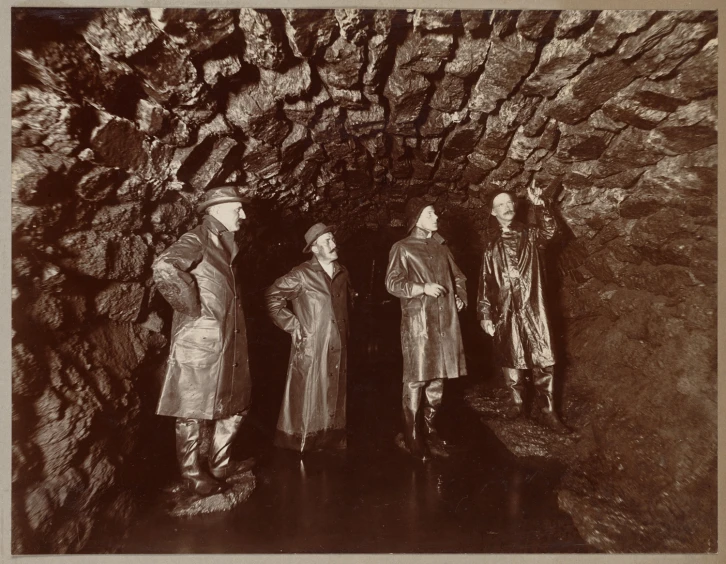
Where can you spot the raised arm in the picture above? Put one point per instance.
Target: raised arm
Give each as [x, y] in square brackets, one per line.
[172, 278]
[287, 287]
[546, 225]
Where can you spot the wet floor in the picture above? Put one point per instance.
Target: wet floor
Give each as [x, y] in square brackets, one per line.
[373, 499]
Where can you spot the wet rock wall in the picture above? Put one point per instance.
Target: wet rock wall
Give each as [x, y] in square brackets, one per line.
[122, 118]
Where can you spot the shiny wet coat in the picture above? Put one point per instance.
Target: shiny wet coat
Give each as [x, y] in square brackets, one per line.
[430, 332]
[207, 375]
[511, 292]
[313, 411]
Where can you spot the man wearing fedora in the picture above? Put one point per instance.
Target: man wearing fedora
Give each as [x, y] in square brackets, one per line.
[207, 375]
[313, 412]
[423, 274]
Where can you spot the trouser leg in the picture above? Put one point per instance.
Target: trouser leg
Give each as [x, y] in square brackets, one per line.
[544, 386]
[543, 380]
[225, 430]
[188, 433]
[514, 380]
[412, 396]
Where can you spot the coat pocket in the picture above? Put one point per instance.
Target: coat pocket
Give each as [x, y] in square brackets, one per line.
[199, 344]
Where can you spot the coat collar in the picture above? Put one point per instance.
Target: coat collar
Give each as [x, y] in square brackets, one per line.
[494, 229]
[418, 233]
[317, 267]
[214, 225]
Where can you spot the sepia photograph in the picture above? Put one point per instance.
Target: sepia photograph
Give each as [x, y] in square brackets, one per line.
[363, 281]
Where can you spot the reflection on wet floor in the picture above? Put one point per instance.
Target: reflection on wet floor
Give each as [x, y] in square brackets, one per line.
[372, 498]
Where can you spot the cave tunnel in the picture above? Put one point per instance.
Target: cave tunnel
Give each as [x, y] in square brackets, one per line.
[123, 118]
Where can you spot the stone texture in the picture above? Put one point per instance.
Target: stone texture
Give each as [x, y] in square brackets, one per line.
[570, 22]
[509, 60]
[424, 54]
[254, 110]
[532, 24]
[120, 301]
[120, 33]
[560, 60]
[194, 29]
[433, 20]
[586, 92]
[309, 30]
[343, 63]
[611, 25]
[263, 40]
[168, 73]
[406, 92]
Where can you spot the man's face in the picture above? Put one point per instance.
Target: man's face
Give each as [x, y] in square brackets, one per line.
[230, 214]
[325, 247]
[503, 208]
[428, 219]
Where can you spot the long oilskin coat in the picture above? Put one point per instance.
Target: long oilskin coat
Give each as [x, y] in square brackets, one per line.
[313, 411]
[207, 376]
[511, 293]
[430, 332]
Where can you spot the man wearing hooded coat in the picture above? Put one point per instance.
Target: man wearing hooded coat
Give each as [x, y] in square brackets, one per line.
[431, 287]
[511, 305]
[313, 411]
[207, 375]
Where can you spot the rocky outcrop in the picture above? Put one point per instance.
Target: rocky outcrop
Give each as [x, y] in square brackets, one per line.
[122, 118]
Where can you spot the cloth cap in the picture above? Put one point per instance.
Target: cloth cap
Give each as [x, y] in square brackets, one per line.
[221, 195]
[312, 234]
[413, 210]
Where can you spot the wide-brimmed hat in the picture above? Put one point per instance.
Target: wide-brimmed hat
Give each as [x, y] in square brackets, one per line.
[221, 195]
[312, 234]
[413, 210]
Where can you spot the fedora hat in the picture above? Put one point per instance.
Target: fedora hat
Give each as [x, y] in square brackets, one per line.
[312, 234]
[220, 195]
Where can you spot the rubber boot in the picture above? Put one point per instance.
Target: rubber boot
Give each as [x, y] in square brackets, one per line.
[543, 379]
[434, 395]
[514, 380]
[225, 430]
[413, 437]
[187, 452]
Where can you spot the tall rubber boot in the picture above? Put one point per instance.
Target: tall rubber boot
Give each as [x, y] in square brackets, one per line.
[187, 452]
[225, 430]
[544, 385]
[434, 396]
[514, 380]
[412, 434]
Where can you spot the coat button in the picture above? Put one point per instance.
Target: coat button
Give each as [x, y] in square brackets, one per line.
[236, 330]
[236, 364]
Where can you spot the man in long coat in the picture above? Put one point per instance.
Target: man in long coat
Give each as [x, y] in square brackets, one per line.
[207, 376]
[313, 412]
[423, 274]
[511, 305]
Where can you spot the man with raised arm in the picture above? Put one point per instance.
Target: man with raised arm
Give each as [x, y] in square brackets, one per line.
[511, 306]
